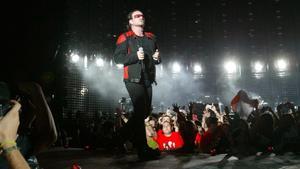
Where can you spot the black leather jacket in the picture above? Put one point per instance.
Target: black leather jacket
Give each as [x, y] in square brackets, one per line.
[126, 54]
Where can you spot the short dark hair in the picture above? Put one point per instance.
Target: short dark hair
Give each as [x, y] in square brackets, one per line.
[129, 16]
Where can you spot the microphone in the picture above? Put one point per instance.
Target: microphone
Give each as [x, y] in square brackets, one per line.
[142, 61]
[141, 49]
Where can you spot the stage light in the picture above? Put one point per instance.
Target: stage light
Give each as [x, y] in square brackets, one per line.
[120, 66]
[74, 58]
[230, 67]
[197, 69]
[85, 62]
[111, 63]
[176, 68]
[84, 91]
[99, 62]
[281, 65]
[258, 67]
[161, 67]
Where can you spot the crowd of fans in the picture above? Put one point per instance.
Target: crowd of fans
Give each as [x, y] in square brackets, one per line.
[243, 128]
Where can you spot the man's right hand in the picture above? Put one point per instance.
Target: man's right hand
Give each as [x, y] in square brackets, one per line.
[140, 54]
[9, 123]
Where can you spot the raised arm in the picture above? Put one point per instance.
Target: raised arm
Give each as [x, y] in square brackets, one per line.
[44, 130]
[8, 133]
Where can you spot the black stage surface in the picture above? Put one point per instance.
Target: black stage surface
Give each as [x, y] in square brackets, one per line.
[60, 158]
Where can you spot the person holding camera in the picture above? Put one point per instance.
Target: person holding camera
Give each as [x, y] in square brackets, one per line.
[36, 131]
[8, 134]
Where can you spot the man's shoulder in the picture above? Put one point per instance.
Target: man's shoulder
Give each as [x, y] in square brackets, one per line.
[149, 35]
[124, 36]
[129, 33]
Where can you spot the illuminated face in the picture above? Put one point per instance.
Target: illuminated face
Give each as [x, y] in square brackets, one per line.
[167, 128]
[137, 19]
[166, 119]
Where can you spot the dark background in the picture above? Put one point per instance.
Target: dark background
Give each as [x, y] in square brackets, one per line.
[186, 29]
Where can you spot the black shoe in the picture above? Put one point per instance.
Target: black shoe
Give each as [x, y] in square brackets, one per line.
[149, 154]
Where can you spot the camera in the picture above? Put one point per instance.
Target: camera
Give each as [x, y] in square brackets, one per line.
[4, 99]
[4, 107]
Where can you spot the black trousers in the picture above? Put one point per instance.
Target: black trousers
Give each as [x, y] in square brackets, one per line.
[141, 97]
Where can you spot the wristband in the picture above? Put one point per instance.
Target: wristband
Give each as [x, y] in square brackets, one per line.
[8, 143]
[9, 149]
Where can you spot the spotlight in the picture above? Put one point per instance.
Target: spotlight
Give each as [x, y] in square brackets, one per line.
[111, 63]
[176, 68]
[258, 67]
[99, 62]
[230, 67]
[197, 69]
[85, 62]
[281, 65]
[83, 91]
[74, 58]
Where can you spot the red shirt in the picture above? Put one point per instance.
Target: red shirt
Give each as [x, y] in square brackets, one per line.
[173, 142]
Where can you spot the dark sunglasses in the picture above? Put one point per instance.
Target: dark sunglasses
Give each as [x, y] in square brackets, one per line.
[138, 15]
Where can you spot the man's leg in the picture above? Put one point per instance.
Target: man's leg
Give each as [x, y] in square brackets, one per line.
[136, 122]
[141, 99]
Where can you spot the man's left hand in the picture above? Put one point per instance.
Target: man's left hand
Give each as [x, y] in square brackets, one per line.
[155, 56]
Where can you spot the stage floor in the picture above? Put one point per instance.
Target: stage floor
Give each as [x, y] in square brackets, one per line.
[60, 158]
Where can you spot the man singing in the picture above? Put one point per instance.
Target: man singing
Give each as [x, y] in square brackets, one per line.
[137, 51]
